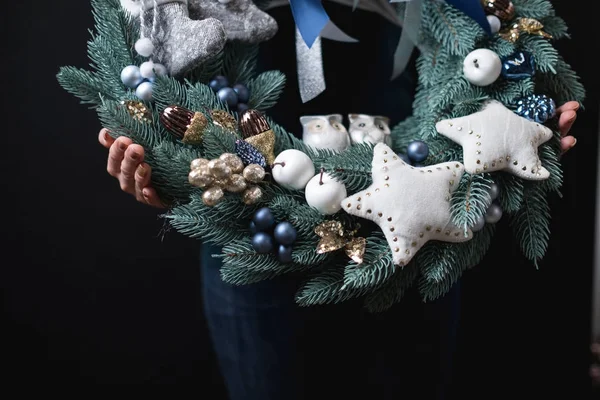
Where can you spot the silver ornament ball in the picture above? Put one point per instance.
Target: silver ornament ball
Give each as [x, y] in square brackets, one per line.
[495, 23]
[144, 91]
[131, 76]
[147, 70]
[494, 191]
[479, 224]
[493, 214]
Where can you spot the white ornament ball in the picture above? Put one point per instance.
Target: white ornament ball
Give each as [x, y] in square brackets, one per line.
[160, 70]
[495, 23]
[144, 91]
[482, 67]
[325, 193]
[131, 76]
[144, 47]
[147, 70]
[292, 169]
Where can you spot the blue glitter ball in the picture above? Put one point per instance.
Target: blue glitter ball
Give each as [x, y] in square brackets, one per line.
[538, 108]
[284, 254]
[417, 151]
[262, 243]
[264, 220]
[285, 233]
[229, 96]
[518, 66]
[242, 92]
[249, 154]
[218, 82]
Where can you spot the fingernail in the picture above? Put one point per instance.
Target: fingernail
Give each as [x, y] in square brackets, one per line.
[134, 156]
[574, 143]
[142, 171]
[146, 194]
[122, 146]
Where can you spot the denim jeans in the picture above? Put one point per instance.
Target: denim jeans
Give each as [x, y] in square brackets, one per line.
[267, 347]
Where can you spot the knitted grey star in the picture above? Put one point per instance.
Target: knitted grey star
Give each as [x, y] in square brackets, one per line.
[180, 43]
[242, 19]
[496, 138]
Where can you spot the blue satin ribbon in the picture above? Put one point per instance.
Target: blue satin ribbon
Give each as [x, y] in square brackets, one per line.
[310, 17]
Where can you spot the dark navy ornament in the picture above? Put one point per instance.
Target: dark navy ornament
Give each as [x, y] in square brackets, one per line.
[417, 151]
[249, 154]
[285, 233]
[264, 220]
[262, 243]
[284, 254]
[538, 108]
[517, 66]
[218, 82]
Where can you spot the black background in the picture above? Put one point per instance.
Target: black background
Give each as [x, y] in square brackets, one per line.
[94, 293]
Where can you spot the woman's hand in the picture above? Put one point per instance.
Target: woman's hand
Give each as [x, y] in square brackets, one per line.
[567, 114]
[126, 163]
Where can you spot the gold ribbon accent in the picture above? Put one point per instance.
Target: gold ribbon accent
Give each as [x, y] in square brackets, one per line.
[334, 237]
[524, 25]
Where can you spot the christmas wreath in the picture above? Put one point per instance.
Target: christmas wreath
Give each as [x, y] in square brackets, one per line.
[366, 210]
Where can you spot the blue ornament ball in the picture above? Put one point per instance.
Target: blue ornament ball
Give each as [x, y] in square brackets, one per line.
[131, 76]
[144, 91]
[417, 151]
[253, 229]
[218, 82]
[242, 92]
[518, 66]
[537, 108]
[264, 220]
[249, 154]
[227, 95]
[285, 233]
[284, 253]
[242, 108]
[262, 243]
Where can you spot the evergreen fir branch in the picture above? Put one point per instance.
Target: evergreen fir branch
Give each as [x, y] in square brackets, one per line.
[442, 149]
[442, 264]
[239, 254]
[531, 224]
[511, 191]
[170, 170]
[452, 28]
[118, 27]
[327, 288]
[537, 9]
[202, 97]
[433, 66]
[403, 133]
[556, 27]
[198, 221]
[237, 276]
[114, 116]
[239, 62]
[393, 291]
[295, 211]
[503, 48]
[377, 267]
[471, 199]
[544, 53]
[217, 141]
[208, 70]
[549, 156]
[284, 139]
[168, 91]
[509, 92]
[563, 86]
[265, 90]
[352, 167]
[107, 62]
[85, 85]
[466, 105]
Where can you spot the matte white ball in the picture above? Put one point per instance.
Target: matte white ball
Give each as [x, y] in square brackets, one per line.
[482, 67]
[495, 23]
[144, 47]
[160, 70]
[131, 76]
[325, 194]
[147, 70]
[144, 91]
[292, 169]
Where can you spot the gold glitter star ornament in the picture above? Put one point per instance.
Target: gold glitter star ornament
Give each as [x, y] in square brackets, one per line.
[411, 205]
[497, 139]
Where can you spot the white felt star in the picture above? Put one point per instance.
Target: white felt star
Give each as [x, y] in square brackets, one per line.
[495, 138]
[411, 205]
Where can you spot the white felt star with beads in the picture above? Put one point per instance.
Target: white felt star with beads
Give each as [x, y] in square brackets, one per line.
[411, 205]
[495, 138]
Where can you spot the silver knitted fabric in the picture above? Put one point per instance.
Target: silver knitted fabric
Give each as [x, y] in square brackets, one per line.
[180, 43]
[242, 19]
